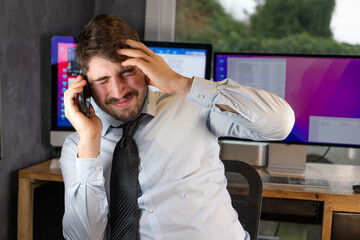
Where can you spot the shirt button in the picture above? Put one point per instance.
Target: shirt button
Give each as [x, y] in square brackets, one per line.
[230, 114]
[150, 210]
[98, 169]
[102, 197]
[140, 168]
[159, 238]
[201, 96]
[182, 195]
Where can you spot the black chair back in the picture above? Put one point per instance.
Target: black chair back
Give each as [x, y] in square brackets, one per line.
[245, 187]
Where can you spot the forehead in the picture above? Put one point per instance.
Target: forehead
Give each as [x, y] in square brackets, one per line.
[102, 65]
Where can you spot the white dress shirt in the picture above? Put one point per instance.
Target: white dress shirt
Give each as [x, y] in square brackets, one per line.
[182, 179]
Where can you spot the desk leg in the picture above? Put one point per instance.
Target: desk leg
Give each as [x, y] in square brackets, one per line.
[327, 221]
[26, 208]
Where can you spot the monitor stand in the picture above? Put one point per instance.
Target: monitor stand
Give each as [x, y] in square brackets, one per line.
[287, 159]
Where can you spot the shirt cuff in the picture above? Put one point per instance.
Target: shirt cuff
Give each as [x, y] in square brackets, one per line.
[203, 92]
[89, 169]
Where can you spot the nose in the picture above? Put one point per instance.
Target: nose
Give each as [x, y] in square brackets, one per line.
[117, 87]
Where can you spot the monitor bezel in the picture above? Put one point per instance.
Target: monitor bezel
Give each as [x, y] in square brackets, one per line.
[267, 54]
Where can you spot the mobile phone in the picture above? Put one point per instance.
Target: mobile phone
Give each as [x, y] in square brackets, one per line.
[83, 98]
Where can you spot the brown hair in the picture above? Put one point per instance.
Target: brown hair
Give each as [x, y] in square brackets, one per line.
[102, 36]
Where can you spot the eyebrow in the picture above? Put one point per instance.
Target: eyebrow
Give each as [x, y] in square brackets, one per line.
[101, 78]
[128, 69]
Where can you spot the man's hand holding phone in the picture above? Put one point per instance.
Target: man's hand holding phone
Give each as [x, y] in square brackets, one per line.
[88, 127]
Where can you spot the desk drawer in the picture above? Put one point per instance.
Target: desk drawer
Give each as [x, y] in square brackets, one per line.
[292, 210]
[345, 226]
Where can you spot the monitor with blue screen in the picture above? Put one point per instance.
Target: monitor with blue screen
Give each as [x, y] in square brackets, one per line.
[188, 59]
[322, 90]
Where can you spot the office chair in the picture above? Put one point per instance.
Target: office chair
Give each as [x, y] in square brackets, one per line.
[245, 187]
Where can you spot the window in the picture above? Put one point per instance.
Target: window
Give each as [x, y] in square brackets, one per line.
[278, 26]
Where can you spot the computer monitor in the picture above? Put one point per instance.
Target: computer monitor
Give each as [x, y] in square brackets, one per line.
[63, 72]
[188, 59]
[323, 91]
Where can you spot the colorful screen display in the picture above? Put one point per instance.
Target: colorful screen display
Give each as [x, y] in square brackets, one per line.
[322, 90]
[65, 71]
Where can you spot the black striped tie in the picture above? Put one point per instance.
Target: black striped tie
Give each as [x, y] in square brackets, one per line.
[124, 185]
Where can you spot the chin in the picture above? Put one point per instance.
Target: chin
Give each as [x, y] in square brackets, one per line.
[123, 115]
[128, 116]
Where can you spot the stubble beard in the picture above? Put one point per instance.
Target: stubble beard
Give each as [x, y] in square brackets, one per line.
[127, 114]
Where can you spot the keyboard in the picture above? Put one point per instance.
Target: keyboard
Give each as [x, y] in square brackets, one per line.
[236, 178]
[307, 182]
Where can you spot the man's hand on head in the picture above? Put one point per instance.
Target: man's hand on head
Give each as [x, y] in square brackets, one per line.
[158, 72]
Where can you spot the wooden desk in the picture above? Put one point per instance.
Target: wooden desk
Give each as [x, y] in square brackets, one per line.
[339, 197]
[29, 179]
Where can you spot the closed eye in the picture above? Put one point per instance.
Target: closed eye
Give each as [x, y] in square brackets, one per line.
[127, 71]
[102, 80]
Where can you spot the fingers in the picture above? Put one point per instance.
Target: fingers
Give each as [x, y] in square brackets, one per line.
[79, 82]
[139, 56]
[159, 73]
[75, 87]
[138, 50]
[88, 128]
[131, 53]
[143, 65]
[69, 96]
[138, 45]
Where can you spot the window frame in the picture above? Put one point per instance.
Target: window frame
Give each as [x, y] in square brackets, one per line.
[160, 16]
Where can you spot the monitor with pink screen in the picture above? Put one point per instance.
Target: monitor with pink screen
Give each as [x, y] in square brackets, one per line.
[323, 90]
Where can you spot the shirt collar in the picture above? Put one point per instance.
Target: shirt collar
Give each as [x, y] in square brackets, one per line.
[108, 120]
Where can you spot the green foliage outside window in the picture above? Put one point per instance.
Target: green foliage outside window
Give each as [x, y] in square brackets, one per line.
[278, 26]
[279, 18]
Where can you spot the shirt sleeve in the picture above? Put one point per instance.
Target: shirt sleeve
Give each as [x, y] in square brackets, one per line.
[86, 206]
[260, 115]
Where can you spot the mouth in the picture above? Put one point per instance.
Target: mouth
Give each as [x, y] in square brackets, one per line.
[124, 102]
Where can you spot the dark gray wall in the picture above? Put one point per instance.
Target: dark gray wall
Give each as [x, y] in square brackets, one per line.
[26, 27]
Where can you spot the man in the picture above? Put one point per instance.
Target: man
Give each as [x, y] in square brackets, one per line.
[181, 178]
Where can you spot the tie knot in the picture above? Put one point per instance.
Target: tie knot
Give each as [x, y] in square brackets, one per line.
[130, 127]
